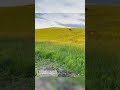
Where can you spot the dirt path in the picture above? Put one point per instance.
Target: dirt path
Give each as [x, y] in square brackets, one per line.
[42, 84]
[59, 84]
[57, 71]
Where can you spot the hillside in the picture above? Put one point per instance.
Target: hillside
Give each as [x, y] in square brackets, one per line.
[102, 47]
[61, 48]
[61, 35]
[16, 21]
[102, 17]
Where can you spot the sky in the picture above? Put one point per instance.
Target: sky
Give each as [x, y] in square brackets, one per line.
[59, 13]
[103, 2]
[59, 6]
[70, 20]
[54, 13]
[4, 3]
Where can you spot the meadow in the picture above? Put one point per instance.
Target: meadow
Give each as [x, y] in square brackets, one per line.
[16, 64]
[64, 47]
[69, 36]
[17, 48]
[102, 47]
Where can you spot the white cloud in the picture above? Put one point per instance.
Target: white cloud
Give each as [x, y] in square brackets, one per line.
[59, 20]
[60, 6]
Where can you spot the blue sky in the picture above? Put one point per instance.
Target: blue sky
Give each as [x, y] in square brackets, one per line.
[45, 20]
[59, 6]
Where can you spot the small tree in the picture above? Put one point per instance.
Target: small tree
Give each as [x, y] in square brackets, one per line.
[70, 29]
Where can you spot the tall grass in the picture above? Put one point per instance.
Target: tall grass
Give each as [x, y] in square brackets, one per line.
[102, 48]
[102, 65]
[17, 56]
[69, 57]
[16, 63]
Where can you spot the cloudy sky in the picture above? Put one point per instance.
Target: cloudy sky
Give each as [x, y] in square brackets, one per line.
[59, 13]
[45, 20]
[59, 6]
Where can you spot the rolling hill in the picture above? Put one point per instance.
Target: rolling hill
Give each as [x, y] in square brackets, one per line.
[74, 36]
[17, 21]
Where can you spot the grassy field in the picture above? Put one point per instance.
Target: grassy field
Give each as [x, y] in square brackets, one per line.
[102, 48]
[73, 36]
[62, 46]
[71, 58]
[17, 47]
[16, 63]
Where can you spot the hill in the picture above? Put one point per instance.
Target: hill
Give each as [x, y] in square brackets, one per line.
[16, 21]
[63, 48]
[102, 47]
[101, 17]
[61, 35]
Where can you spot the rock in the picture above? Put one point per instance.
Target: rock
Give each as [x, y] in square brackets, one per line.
[47, 73]
[48, 70]
[64, 73]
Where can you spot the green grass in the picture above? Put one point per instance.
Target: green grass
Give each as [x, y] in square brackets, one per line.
[14, 54]
[70, 57]
[16, 61]
[16, 46]
[63, 47]
[102, 48]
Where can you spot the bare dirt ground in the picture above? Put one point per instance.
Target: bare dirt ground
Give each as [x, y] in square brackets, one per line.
[56, 84]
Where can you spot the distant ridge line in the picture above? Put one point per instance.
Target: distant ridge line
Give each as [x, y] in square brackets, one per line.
[59, 28]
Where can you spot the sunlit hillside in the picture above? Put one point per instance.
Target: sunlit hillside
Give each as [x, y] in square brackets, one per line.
[16, 21]
[72, 36]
